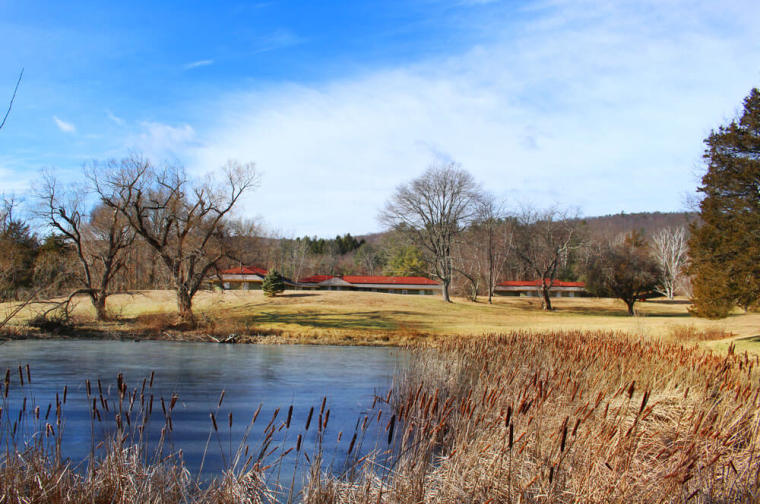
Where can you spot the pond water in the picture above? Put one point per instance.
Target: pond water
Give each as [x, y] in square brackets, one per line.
[273, 376]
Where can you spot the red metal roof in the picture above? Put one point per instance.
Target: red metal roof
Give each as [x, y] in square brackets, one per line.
[245, 270]
[534, 283]
[388, 280]
[315, 278]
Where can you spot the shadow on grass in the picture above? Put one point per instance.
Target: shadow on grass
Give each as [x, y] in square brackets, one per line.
[749, 339]
[669, 301]
[621, 312]
[364, 320]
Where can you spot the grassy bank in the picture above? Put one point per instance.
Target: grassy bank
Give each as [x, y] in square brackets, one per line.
[551, 417]
[329, 317]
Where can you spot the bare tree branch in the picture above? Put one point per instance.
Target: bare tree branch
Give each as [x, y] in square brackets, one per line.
[431, 210]
[13, 98]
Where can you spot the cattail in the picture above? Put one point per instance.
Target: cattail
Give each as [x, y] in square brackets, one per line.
[564, 435]
[65, 393]
[221, 398]
[644, 401]
[21, 376]
[213, 421]
[308, 419]
[631, 389]
[509, 415]
[28, 374]
[152, 375]
[390, 429]
[256, 414]
[511, 436]
[290, 415]
[327, 419]
[351, 444]
[87, 387]
[298, 443]
[173, 401]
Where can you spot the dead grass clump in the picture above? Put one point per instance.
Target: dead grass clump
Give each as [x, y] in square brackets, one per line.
[690, 333]
[156, 322]
[571, 417]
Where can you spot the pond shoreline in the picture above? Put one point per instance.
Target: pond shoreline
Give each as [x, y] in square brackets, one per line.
[361, 338]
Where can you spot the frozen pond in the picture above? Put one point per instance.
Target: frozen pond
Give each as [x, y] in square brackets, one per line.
[274, 376]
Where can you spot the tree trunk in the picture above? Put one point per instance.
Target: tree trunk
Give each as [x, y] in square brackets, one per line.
[630, 303]
[445, 290]
[547, 302]
[99, 303]
[185, 306]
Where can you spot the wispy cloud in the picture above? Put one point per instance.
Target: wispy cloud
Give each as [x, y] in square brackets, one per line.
[64, 126]
[199, 63]
[278, 39]
[602, 108]
[161, 141]
[113, 117]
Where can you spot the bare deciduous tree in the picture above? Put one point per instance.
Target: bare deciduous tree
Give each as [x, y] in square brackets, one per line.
[670, 247]
[182, 220]
[542, 240]
[13, 98]
[99, 238]
[432, 210]
[494, 232]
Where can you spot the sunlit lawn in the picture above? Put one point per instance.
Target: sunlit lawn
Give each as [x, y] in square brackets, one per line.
[355, 317]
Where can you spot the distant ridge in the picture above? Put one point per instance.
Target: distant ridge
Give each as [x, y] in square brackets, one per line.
[608, 226]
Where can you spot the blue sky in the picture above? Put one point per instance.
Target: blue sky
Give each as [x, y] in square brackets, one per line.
[600, 106]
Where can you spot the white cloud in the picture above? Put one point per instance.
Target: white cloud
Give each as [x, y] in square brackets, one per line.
[64, 126]
[116, 119]
[160, 141]
[597, 105]
[199, 63]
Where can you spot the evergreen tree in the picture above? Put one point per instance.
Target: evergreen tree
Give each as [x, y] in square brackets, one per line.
[725, 246]
[406, 261]
[273, 283]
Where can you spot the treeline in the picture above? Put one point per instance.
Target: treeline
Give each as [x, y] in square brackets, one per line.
[97, 251]
[130, 224]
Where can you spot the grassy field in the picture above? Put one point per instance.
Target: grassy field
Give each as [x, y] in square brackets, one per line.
[339, 317]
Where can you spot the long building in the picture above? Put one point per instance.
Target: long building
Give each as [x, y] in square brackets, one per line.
[252, 277]
[532, 288]
[390, 284]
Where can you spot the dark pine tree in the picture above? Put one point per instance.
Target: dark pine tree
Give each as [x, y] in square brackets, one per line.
[273, 283]
[725, 246]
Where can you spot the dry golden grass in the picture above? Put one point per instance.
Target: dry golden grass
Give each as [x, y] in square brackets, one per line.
[341, 317]
[567, 417]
